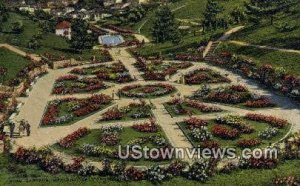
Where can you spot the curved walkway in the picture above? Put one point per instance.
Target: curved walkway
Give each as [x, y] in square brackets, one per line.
[241, 43]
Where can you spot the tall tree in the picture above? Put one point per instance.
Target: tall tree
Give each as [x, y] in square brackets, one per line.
[80, 37]
[165, 27]
[267, 9]
[210, 15]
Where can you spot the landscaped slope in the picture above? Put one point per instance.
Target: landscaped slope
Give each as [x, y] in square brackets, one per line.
[12, 62]
[289, 61]
[267, 34]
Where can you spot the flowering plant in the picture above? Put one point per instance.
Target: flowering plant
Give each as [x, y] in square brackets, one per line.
[69, 140]
[247, 143]
[273, 121]
[224, 132]
[195, 123]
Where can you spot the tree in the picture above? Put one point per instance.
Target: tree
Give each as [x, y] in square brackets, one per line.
[80, 37]
[17, 27]
[165, 27]
[267, 9]
[210, 15]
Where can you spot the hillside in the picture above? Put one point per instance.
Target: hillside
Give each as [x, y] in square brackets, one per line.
[267, 34]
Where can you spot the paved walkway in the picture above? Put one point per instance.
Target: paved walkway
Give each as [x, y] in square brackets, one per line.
[241, 43]
[20, 52]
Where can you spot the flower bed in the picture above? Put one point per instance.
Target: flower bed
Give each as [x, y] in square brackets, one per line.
[158, 70]
[236, 122]
[225, 133]
[230, 131]
[147, 91]
[273, 121]
[104, 142]
[147, 127]
[286, 84]
[115, 72]
[130, 112]
[177, 107]
[234, 94]
[248, 143]
[70, 110]
[69, 140]
[205, 75]
[71, 84]
[260, 103]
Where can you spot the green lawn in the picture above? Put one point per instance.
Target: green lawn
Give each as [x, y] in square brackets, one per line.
[189, 43]
[289, 61]
[50, 43]
[267, 34]
[194, 9]
[13, 62]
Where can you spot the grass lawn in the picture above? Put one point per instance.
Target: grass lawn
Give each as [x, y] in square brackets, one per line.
[50, 43]
[13, 62]
[194, 9]
[16, 174]
[126, 136]
[289, 61]
[267, 34]
[189, 44]
[258, 126]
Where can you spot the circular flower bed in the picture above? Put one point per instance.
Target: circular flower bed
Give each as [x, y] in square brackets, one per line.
[147, 91]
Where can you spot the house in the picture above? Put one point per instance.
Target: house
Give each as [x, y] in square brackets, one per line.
[63, 29]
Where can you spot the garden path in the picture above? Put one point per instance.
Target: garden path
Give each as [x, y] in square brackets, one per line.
[241, 43]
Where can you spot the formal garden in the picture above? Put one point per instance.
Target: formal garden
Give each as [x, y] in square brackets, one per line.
[199, 75]
[115, 72]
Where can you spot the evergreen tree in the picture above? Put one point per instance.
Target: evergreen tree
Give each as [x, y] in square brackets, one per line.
[210, 15]
[80, 38]
[267, 9]
[165, 27]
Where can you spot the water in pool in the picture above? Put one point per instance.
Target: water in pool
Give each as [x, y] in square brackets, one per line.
[111, 40]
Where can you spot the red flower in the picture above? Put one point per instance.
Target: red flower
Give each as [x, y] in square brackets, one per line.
[69, 140]
[225, 133]
[245, 143]
[195, 123]
[273, 121]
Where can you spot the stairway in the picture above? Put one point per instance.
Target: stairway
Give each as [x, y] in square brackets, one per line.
[210, 54]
